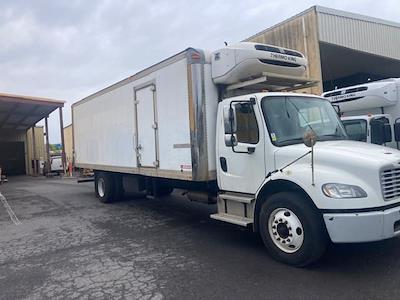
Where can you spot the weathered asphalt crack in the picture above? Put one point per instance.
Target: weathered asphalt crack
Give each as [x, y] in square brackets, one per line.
[9, 210]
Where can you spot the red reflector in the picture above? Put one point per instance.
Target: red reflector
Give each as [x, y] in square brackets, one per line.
[196, 56]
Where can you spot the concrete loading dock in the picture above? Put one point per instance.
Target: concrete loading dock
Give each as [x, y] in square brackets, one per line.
[342, 48]
[21, 143]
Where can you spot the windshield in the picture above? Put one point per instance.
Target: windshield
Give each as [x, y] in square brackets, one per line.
[288, 118]
[356, 129]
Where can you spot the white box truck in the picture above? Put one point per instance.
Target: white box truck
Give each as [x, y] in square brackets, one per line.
[223, 126]
[370, 112]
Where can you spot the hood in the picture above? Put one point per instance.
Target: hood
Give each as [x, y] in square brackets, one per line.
[349, 162]
[344, 154]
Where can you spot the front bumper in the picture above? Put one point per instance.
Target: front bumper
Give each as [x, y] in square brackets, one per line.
[363, 226]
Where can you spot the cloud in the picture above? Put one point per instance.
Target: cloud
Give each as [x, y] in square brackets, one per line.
[72, 48]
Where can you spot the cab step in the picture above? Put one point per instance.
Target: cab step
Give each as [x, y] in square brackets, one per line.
[241, 221]
[244, 198]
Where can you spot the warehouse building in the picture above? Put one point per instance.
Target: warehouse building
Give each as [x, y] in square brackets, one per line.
[342, 48]
[22, 144]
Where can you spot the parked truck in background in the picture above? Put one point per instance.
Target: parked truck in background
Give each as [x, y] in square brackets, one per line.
[370, 112]
[203, 121]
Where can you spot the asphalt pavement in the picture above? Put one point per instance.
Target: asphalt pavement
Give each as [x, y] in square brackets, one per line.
[63, 243]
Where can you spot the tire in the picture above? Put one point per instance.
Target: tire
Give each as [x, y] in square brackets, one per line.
[105, 189]
[292, 229]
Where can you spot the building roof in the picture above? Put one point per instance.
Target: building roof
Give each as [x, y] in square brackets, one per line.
[333, 12]
[350, 15]
[22, 112]
[349, 30]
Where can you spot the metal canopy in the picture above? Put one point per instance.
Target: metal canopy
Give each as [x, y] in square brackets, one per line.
[22, 112]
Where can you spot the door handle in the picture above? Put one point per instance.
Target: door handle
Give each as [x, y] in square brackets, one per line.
[224, 166]
[251, 150]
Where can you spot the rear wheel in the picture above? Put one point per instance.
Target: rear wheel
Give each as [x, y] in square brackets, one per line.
[105, 187]
[292, 229]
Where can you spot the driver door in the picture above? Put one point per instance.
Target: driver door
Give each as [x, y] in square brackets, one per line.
[241, 168]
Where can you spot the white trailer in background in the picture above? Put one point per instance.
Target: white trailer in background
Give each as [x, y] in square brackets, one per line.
[199, 122]
[370, 111]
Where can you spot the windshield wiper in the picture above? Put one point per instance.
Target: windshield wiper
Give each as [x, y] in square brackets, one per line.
[335, 136]
[290, 141]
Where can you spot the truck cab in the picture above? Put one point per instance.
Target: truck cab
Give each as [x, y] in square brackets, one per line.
[296, 192]
[375, 129]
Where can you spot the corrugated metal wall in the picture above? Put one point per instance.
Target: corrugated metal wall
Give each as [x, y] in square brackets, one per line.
[299, 33]
[359, 32]
[68, 140]
[40, 147]
[8, 135]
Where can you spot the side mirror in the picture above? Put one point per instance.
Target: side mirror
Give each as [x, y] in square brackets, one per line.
[378, 134]
[381, 132]
[396, 129]
[309, 138]
[388, 132]
[230, 120]
[231, 140]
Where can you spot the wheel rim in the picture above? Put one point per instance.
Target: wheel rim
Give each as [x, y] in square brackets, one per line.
[285, 230]
[101, 187]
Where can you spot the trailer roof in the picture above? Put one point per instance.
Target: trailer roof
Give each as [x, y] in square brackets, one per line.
[140, 74]
[22, 112]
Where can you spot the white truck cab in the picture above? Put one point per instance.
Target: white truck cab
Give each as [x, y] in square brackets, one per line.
[364, 128]
[348, 188]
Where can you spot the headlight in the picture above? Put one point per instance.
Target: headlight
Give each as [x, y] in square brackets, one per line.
[339, 191]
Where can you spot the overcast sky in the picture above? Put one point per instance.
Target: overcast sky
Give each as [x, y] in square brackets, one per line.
[69, 49]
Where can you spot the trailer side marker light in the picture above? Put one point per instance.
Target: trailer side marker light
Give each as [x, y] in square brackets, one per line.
[196, 56]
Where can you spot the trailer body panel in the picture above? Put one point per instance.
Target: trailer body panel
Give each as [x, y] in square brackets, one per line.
[153, 123]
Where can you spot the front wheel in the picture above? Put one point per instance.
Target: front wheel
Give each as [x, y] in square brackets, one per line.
[292, 229]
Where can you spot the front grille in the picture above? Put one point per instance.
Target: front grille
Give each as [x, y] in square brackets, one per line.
[390, 181]
[348, 91]
[279, 63]
[278, 50]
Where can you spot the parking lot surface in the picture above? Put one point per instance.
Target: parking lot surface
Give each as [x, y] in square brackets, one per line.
[69, 245]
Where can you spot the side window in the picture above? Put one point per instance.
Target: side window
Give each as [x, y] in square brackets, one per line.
[247, 128]
[356, 129]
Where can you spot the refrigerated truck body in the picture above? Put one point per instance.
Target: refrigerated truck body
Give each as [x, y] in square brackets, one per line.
[198, 121]
[364, 107]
